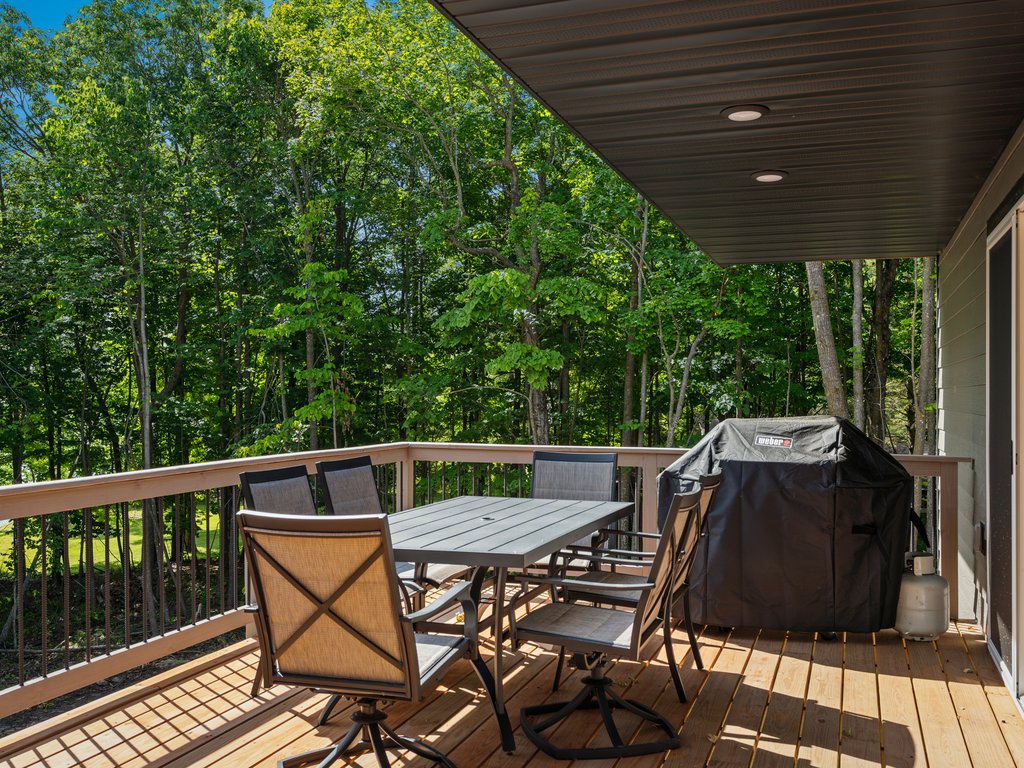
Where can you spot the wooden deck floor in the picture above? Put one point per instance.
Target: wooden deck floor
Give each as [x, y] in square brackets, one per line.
[767, 699]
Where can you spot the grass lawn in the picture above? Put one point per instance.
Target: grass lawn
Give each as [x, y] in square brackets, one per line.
[99, 546]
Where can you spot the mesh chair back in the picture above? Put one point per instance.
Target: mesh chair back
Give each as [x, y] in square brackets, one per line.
[284, 491]
[328, 597]
[688, 546]
[583, 476]
[349, 486]
[665, 570]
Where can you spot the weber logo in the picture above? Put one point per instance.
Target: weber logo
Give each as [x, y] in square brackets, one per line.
[773, 441]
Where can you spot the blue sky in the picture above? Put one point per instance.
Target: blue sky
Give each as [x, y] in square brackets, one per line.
[48, 14]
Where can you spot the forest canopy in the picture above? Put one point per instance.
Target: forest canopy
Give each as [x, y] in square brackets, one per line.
[231, 231]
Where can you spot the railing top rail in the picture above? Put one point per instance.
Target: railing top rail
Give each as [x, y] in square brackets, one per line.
[32, 499]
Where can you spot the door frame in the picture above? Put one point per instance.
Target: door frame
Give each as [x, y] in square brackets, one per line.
[1010, 224]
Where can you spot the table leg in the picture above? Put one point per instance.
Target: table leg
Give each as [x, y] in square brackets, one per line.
[508, 741]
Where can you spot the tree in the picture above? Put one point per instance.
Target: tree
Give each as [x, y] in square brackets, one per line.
[857, 325]
[831, 378]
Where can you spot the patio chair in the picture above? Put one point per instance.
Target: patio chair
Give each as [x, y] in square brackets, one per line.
[327, 594]
[284, 490]
[287, 491]
[584, 476]
[596, 633]
[598, 595]
[350, 489]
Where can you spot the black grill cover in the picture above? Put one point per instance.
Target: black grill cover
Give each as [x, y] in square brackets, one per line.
[806, 532]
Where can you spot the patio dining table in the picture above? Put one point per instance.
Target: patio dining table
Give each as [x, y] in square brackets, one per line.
[501, 533]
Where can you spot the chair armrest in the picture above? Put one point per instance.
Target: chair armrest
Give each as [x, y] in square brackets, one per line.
[409, 588]
[560, 582]
[459, 593]
[462, 594]
[641, 534]
[412, 586]
[618, 560]
[590, 553]
[569, 583]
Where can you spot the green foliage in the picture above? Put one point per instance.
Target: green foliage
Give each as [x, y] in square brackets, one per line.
[349, 226]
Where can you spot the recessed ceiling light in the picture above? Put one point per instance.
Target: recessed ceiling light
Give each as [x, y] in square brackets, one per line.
[744, 113]
[769, 177]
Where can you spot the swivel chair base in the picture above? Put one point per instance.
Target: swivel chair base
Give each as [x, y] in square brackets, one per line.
[597, 691]
[378, 737]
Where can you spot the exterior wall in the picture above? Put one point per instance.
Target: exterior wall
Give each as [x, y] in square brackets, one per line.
[961, 362]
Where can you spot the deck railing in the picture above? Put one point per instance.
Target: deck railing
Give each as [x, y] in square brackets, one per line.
[83, 599]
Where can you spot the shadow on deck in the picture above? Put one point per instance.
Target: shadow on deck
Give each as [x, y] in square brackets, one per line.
[766, 699]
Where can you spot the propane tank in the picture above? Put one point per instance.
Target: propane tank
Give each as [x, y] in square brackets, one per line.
[923, 609]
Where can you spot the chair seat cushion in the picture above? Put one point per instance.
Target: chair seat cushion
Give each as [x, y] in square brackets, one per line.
[578, 627]
[406, 571]
[438, 572]
[436, 653]
[442, 572]
[626, 598]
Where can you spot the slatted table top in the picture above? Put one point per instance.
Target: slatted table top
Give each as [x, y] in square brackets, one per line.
[497, 531]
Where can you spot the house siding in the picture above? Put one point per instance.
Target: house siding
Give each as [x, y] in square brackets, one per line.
[962, 364]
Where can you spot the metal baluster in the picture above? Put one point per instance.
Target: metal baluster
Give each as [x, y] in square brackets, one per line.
[43, 570]
[206, 556]
[223, 549]
[106, 578]
[144, 574]
[233, 539]
[161, 589]
[66, 583]
[89, 565]
[193, 534]
[177, 531]
[20, 577]
[126, 559]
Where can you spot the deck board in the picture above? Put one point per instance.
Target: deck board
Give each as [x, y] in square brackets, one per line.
[733, 746]
[776, 743]
[860, 729]
[943, 739]
[819, 732]
[982, 735]
[766, 699]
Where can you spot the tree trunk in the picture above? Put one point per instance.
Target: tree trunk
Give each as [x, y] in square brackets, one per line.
[857, 322]
[314, 439]
[629, 433]
[564, 392]
[831, 379]
[645, 372]
[540, 426]
[738, 377]
[924, 398]
[928, 372]
[676, 413]
[152, 526]
[878, 376]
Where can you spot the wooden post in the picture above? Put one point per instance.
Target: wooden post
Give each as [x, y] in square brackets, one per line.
[948, 543]
[649, 499]
[407, 488]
